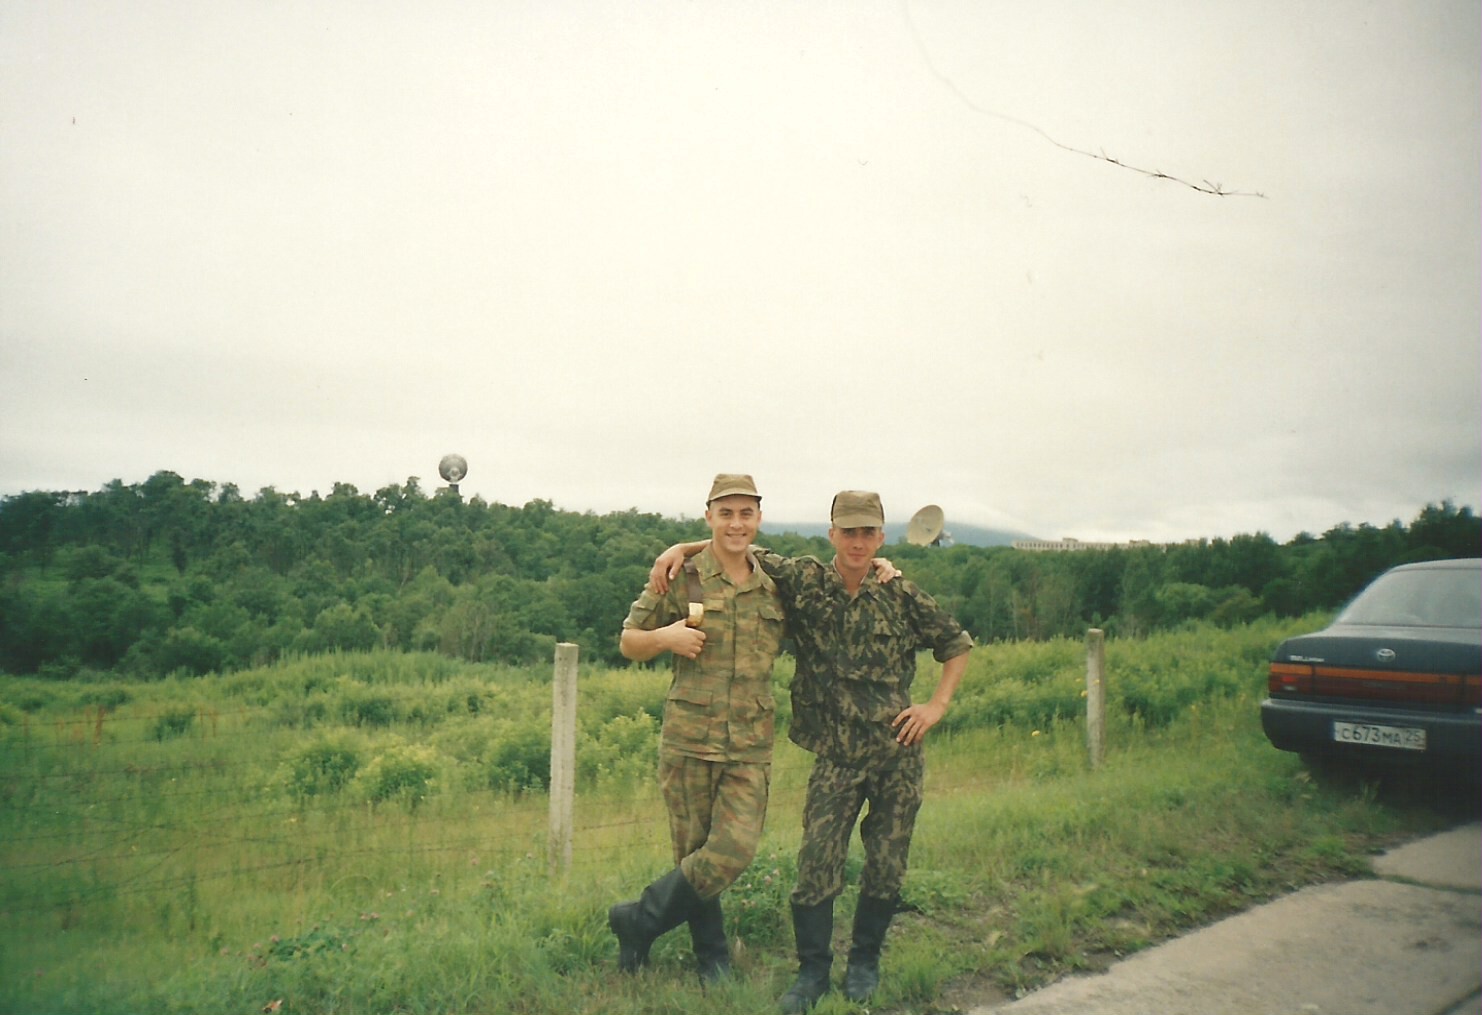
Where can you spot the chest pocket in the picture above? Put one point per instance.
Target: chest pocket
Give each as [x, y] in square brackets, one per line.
[770, 625]
[718, 623]
[882, 654]
[892, 628]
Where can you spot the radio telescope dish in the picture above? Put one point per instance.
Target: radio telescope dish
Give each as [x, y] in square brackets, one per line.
[452, 468]
[925, 526]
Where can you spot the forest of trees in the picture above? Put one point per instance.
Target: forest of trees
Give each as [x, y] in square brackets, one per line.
[171, 576]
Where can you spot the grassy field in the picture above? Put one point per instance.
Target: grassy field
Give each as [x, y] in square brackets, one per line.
[367, 833]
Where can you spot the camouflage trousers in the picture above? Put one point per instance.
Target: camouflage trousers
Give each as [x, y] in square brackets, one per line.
[836, 793]
[716, 812]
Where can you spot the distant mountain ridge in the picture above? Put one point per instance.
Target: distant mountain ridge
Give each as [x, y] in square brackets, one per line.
[895, 532]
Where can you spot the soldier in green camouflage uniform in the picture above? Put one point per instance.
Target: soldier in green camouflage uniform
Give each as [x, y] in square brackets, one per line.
[715, 751]
[856, 644]
[856, 640]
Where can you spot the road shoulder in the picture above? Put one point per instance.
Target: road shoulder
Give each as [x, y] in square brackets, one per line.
[1409, 942]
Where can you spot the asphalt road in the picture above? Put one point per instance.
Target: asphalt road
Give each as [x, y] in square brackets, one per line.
[1408, 942]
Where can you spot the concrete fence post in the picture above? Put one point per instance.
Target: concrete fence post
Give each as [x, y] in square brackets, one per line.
[563, 757]
[1096, 696]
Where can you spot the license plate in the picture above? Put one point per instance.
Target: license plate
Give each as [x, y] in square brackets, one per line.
[1403, 737]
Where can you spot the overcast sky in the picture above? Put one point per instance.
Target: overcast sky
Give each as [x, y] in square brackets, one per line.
[605, 250]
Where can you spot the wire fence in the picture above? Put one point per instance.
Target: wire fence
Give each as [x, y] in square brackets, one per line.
[66, 855]
[99, 809]
[118, 803]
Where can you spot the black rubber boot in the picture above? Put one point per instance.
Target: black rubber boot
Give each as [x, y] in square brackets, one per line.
[813, 927]
[708, 935]
[871, 921]
[664, 905]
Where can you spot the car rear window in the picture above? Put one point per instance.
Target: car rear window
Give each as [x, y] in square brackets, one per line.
[1427, 597]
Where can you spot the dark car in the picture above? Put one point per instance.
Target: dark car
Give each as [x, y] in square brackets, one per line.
[1395, 677]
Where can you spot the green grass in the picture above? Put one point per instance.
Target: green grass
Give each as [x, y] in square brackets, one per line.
[367, 833]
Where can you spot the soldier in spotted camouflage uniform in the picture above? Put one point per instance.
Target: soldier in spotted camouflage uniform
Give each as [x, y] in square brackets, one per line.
[856, 640]
[856, 644]
[715, 750]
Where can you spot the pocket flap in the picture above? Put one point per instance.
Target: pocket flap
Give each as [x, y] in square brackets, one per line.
[691, 696]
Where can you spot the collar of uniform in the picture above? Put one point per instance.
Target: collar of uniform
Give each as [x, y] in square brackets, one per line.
[708, 564]
[871, 579]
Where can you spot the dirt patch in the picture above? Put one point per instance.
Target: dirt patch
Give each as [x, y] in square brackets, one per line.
[969, 992]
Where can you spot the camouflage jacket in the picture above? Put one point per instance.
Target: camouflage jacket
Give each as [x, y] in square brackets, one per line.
[720, 705]
[856, 656]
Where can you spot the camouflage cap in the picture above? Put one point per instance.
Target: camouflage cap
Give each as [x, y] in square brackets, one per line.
[857, 509]
[730, 484]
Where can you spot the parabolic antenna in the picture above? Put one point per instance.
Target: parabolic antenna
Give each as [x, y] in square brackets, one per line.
[925, 526]
[452, 468]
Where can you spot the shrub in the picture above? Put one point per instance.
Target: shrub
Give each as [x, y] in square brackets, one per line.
[175, 721]
[625, 747]
[191, 650]
[519, 757]
[326, 766]
[363, 707]
[34, 701]
[62, 668]
[106, 696]
[402, 771]
[305, 713]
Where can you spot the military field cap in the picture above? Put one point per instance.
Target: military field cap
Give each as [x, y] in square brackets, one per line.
[857, 509]
[730, 484]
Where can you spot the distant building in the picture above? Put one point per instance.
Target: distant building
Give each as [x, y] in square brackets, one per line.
[1067, 544]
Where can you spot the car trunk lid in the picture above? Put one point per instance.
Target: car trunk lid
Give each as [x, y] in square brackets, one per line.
[1439, 669]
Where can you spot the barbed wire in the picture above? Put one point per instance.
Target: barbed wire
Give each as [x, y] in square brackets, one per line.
[88, 731]
[590, 850]
[134, 841]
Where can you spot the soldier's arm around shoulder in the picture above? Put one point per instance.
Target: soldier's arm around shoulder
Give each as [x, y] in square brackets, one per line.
[788, 572]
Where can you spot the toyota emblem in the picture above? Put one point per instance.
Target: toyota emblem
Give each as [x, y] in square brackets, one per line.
[1385, 655]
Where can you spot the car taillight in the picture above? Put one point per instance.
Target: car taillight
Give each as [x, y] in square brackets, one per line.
[1386, 685]
[1471, 692]
[1289, 678]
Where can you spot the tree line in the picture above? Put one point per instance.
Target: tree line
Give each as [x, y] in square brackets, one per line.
[168, 576]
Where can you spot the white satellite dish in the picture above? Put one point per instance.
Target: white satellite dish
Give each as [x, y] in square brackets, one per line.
[452, 467]
[925, 526]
